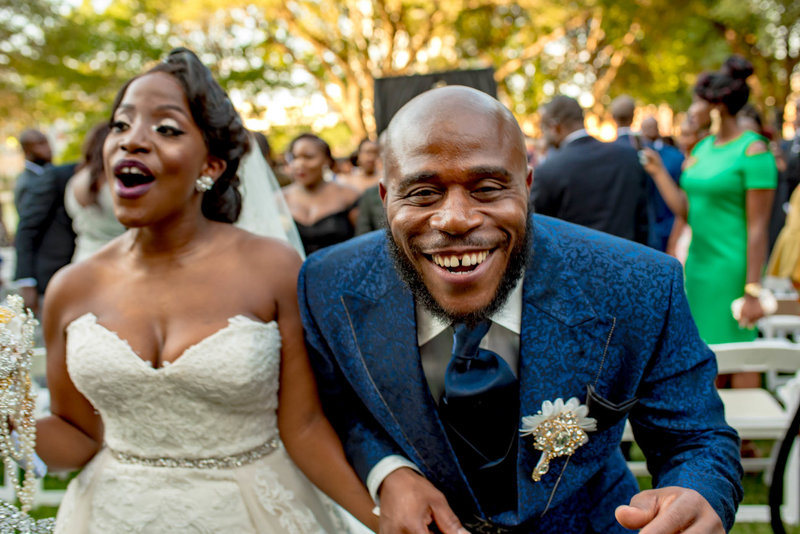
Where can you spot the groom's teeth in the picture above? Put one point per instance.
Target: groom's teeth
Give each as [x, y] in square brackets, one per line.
[466, 260]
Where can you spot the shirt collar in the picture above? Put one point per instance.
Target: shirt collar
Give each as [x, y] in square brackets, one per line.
[624, 130]
[508, 316]
[577, 134]
[35, 168]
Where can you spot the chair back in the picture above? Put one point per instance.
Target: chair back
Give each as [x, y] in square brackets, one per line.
[761, 356]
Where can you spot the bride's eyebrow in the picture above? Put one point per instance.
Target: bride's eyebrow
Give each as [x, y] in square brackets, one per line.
[173, 107]
[163, 107]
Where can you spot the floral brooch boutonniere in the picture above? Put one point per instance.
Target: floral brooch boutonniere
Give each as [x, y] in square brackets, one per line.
[558, 429]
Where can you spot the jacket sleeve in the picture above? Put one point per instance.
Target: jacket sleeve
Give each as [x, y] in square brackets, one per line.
[365, 442]
[679, 422]
[35, 212]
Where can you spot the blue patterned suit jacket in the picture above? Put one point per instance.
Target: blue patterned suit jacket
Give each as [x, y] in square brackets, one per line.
[597, 310]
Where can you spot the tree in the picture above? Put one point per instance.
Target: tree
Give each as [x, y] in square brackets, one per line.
[767, 32]
[55, 75]
[341, 45]
[651, 49]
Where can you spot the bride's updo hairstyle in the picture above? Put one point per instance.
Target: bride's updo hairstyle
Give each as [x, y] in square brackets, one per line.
[728, 86]
[220, 124]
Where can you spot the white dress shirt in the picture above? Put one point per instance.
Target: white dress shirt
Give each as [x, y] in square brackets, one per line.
[574, 136]
[435, 340]
[35, 168]
[625, 130]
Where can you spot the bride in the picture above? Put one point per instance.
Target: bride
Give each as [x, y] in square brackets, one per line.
[175, 353]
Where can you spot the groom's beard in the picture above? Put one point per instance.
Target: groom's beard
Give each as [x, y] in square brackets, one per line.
[515, 269]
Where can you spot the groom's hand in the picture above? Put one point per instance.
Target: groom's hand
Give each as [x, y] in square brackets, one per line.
[409, 503]
[668, 510]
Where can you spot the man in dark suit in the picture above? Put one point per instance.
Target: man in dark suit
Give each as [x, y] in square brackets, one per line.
[38, 155]
[434, 342]
[45, 239]
[622, 110]
[663, 218]
[588, 182]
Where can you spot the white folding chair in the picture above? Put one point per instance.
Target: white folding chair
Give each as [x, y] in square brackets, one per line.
[779, 327]
[756, 413]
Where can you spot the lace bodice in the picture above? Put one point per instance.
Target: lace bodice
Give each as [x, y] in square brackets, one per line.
[218, 398]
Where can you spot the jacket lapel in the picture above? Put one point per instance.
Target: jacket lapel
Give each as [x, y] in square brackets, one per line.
[383, 325]
[562, 344]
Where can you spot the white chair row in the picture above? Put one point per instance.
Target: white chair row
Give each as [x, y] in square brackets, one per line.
[758, 414]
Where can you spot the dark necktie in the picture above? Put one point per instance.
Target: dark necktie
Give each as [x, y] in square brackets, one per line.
[479, 407]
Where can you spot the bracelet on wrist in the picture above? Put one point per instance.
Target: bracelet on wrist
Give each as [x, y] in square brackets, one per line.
[753, 289]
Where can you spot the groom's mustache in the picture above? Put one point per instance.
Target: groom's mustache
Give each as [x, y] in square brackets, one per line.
[445, 241]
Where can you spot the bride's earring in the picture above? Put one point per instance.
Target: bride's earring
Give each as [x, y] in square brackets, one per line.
[204, 183]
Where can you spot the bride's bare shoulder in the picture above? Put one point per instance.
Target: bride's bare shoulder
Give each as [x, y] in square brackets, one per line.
[73, 289]
[266, 251]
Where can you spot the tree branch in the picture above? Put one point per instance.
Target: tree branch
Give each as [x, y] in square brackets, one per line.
[618, 57]
[535, 48]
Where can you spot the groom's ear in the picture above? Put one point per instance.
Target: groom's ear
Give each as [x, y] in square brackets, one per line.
[382, 192]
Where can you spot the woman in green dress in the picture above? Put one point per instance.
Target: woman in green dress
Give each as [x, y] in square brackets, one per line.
[725, 194]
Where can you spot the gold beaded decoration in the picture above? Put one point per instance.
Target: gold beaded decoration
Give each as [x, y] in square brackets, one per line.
[558, 429]
[558, 436]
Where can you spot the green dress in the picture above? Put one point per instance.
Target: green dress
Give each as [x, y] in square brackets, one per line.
[716, 182]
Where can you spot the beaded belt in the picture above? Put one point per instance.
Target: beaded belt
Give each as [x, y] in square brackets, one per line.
[219, 462]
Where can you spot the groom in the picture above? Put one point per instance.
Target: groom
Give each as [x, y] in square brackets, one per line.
[435, 343]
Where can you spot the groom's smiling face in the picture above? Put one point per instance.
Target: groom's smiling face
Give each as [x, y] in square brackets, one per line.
[456, 196]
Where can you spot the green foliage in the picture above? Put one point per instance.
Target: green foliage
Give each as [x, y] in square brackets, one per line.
[59, 63]
[339, 137]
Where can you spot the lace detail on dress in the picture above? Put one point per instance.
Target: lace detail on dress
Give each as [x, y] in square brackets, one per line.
[280, 501]
[219, 399]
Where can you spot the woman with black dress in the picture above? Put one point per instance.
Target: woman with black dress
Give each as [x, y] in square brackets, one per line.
[324, 211]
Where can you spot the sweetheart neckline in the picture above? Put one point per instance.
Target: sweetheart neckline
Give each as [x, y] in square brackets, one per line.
[191, 348]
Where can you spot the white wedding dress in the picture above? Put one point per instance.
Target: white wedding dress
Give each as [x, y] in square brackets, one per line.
[191, 447]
